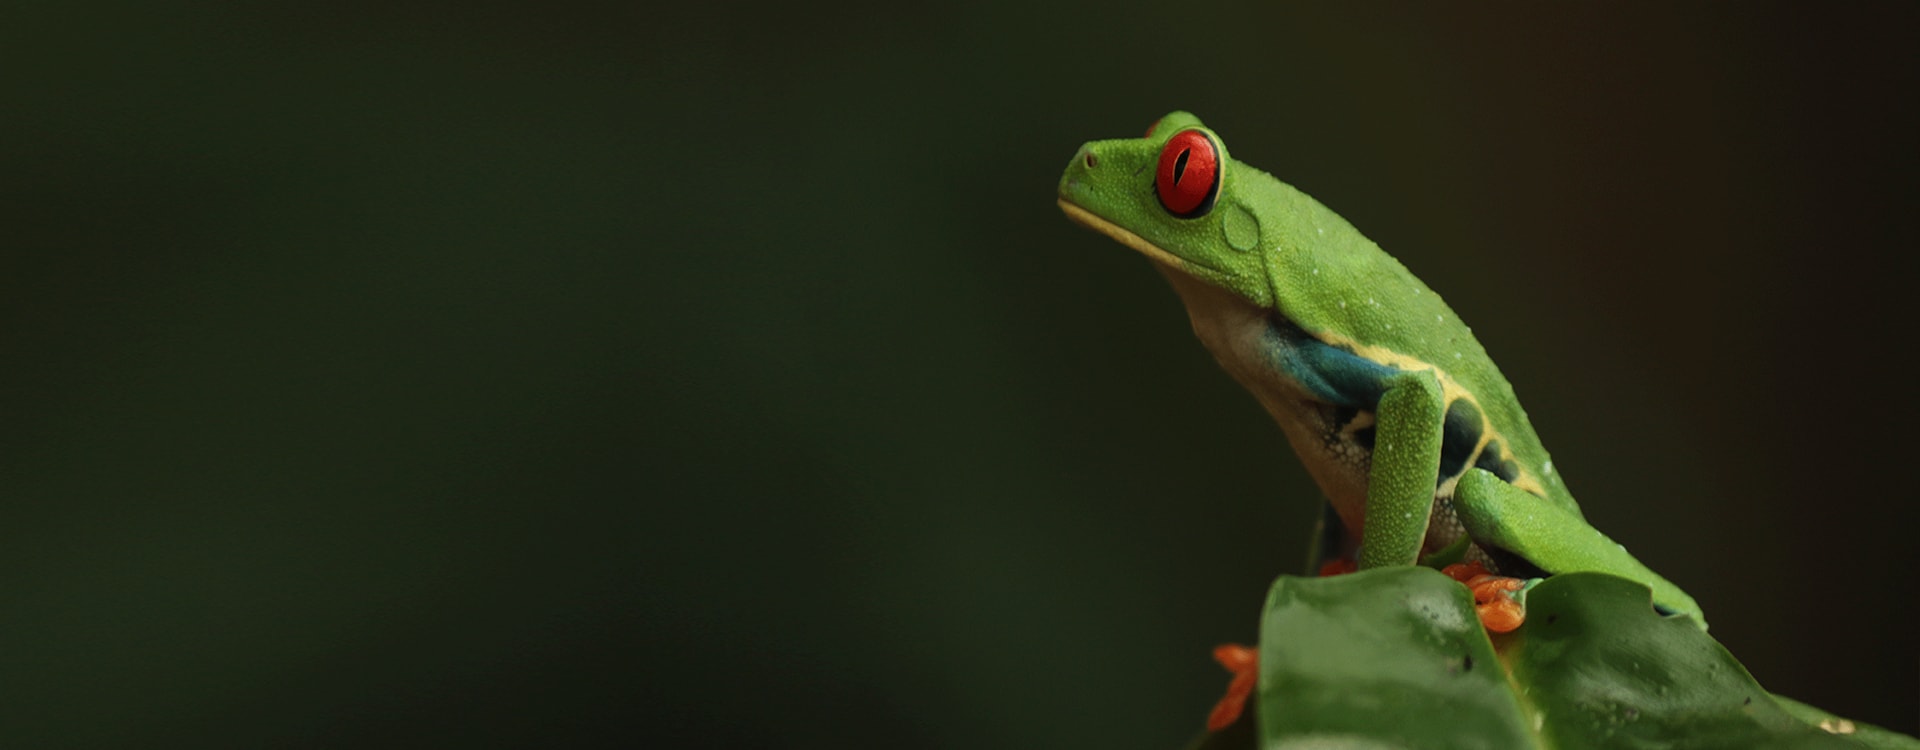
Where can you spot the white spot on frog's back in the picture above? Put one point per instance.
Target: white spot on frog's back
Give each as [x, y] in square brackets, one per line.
[1545, 468]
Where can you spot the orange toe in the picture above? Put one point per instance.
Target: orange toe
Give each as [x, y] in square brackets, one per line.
[1244, 663]
[1464, 572]
[1493, 596]
[1502, 615]
[1236, 658]
[1337, 567]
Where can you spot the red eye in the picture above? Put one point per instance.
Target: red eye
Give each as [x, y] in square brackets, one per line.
[1189, 175]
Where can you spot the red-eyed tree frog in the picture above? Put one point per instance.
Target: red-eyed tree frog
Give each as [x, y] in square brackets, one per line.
[1416, 439]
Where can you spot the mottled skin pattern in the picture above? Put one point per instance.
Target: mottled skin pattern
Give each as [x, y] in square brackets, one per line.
[1388, 400]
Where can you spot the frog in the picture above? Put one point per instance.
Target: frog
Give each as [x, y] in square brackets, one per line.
[1403, 421]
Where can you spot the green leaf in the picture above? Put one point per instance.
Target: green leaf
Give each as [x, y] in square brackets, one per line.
[1393, 655]
[1867, 735]
[1396, 657]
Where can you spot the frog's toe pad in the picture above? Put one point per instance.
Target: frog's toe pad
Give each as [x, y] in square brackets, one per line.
[1244, 663]
[1495, 598]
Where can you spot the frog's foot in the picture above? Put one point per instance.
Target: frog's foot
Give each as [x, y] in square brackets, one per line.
[1495, 598]
[1244, 663]
[1337, 566]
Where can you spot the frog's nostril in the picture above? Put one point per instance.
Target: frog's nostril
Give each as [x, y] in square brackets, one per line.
[1091, 160]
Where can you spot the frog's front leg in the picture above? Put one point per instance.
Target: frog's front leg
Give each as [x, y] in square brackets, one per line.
[1406, 468]
[1400, 488]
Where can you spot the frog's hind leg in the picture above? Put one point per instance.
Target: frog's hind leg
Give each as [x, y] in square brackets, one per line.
[1510, 523]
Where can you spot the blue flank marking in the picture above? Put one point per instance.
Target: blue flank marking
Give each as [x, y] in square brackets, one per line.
[1351, 382]
[1332, 374]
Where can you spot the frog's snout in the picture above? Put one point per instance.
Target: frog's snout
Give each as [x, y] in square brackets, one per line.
[1083, 161]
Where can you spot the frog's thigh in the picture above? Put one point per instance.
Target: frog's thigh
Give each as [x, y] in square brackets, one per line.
[1405, 468]
[1497, 514]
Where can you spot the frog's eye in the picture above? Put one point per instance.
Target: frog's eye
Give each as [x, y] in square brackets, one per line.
[1189, 175]
[1153, 127]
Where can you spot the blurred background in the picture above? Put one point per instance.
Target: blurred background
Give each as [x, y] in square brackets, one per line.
[479, 374]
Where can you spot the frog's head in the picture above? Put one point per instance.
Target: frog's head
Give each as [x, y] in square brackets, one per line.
[1171, 196]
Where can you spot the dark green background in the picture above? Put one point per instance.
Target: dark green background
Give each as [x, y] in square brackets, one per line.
[477, 375]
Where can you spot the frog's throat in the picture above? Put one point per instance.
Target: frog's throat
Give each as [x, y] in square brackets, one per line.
[1087, 219]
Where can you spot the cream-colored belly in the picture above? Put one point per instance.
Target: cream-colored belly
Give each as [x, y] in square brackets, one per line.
[1233, 330]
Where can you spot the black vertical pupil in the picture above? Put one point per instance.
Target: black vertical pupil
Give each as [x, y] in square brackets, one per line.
[1180, 165]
